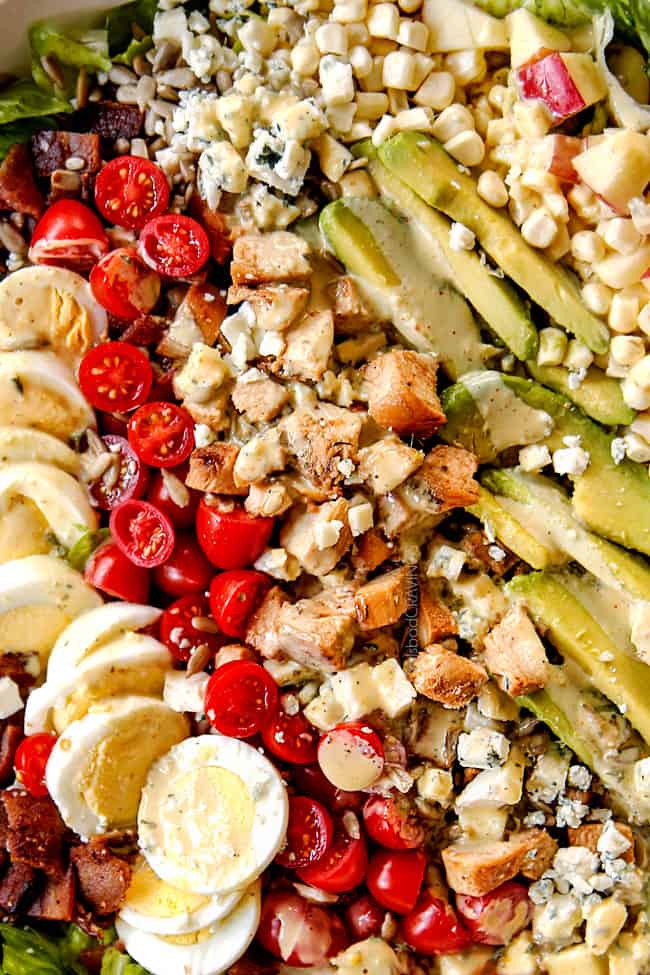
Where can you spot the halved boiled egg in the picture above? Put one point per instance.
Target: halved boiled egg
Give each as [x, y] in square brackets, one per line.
[209, 951]
[213, 815]
[154, 906]
[133, 664]
[24, 444]
[49, 306]
[93, 630]
[40, 596]
[98, 767]
[38, 390]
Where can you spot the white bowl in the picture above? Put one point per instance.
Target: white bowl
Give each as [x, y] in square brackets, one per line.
[17, 15]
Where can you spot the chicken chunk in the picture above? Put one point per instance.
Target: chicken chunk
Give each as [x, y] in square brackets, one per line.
[446, 677]
[350, 311]
[211, 469]
[477, 868]
[198, 319]
[318, 632]
[322, 438]
[276, 306]
[384, 600]
[260, 401]
[446, 479]
[371, 551]
[402, 393]
[267, 499]
[309, 344]
[319, 538]
[589, 834]
[435, 620]
[266, 258]
[515, 654]
[384, 465]
[261, 629]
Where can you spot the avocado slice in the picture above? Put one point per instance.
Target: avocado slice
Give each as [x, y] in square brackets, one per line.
[495, 299]
[542, 705]
[511, 532]
[546, 510]
[422, 163]
[403, 279]
[598, 395]
[576, 634]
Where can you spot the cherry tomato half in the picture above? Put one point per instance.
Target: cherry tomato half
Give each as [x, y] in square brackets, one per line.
[124, 285]
[162, 434]
[298, 932]
[165, 496]
[497, 917]
[291, 738]
[109, 569]
[128, 481]
[343, 867]
[310, 779]
[234, 595]
[231, 539]
[115, 377]
[186, 571]
[178, 631]
[395, 878]
[174, 245]
[240, 698]
[309, 833]
[351, 756]
[130, 190]
[365, 917]
[390, 822]
[433, 928]
[30, 761]
[68, 235]
[145, 534]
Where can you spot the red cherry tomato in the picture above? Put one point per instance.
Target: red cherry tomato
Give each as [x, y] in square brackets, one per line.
[109, 569]
[291, 738]
[186, 571]
[231, 539]
[115, 377]
[342, 868]
[234, 595]
[310, 779]
[162, 496]
[497, 917]
[68, 235]
[145, 535]
[365, 917]
[132, 476]
[395, 878]
[124, 285]
[309, 833]
[300, 933]
[174, 245]
[130, 190]
[390, 822]
[351, 756]
[30, 761]
[178, 632]
[432, 928]
[161, 434]
[240, 698]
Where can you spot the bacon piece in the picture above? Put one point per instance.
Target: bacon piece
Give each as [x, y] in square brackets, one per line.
[56, 902]
[9, 740]
[103, 877]
[12, 665]
[111, 120]
[15, 885]
[34, 831]
[18, 190]
[145, 330]
[51, 150]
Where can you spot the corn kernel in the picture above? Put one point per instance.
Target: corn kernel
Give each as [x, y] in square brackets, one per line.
[409, 6]
[371, 105]
[381, 45]
[467, 67]
[453, 121]
[561, 244]
[497, 96]
[423, 67]
[640, 372]
[256, 35]
[374, 80]
[597, 297]
[500, 131]
[627, 349]
[384, 130]
[620, 234]
[467, 148]
[383, 21]
[623, 313]
[553, 344]
[413, 33]
[532, 119]
[636, 448]
[643, 320]
[361, 61]
[336, 80]
[334, 158]
[357, 34]
[397, 101]
[539, 229]
[332, 39]
[437, 91]
[349, 11]
[578, 355]
[305, 58]
[587, 246]
[400, 71]
[634, 396]
[358, 184]
[492, 189]
[557, 206]
[640, 213]
[414, 120]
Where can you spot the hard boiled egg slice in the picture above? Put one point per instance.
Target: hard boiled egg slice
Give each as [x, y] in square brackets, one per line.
[37, 389]
[98, 767]
[46, 504]
[49, 306]
[154, 906]
[213, 815]
[93, 630]
[39, 597]
[24, 444]
[209, 951]
[133, 664]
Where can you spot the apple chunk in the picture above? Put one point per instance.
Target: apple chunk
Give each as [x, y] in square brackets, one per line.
[556, 153]
[566, 83]
[532, 38]
[617, 168]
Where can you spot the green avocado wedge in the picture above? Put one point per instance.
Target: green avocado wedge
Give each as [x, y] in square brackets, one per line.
[542, 705]
[502, 524]
[422, 163]
[598, 395]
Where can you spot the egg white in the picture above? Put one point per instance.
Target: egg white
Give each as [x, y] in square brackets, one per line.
[24, 444]
[38, 389]
[213, 815]
[221, 944]
[117, 668]
[69, 766]
[92, 631]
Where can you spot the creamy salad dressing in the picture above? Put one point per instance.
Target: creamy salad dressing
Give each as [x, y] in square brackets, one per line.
[507, 419]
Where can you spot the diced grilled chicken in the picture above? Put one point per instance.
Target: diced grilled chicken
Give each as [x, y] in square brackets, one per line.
[371, 551]
[386, 464]
[446, 479]
[384, 600]
[319, 538]
[211, 469]
[261, 630]
[589, 834]
[309, 344]
[267, 258]
[260, 401]
[350, 311]
[435, 620]
[485, 556]
[322, 439]
[402, 393]
[318, 632]
[477, 868]
[276, 306]
[267, 499]
[198, 319]
[515, 654]
[446, 677]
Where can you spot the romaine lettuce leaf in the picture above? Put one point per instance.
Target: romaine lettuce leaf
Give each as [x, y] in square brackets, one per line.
[120, 20]
[26, 951]
[24, 100]
[116, 962]
[89, 52]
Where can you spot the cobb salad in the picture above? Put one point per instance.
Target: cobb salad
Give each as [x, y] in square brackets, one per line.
[324, 490]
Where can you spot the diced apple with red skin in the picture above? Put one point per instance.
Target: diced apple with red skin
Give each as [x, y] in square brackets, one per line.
[532, 38]
[556, 153]
[616, 168]
[565, 83]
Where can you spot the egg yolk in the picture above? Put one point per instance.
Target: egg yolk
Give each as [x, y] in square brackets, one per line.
[151, 896]
[40, 406]
[146, 680]
[23, 530]
[32, 629]
[70, 322]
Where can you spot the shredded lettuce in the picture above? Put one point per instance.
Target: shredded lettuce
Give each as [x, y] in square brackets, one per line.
[84, 547]
[26, 951]
[116, 962]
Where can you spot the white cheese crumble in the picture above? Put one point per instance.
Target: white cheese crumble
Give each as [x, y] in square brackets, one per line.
[572, 461]
[461, 238]
[482, 748]
[10, 699]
